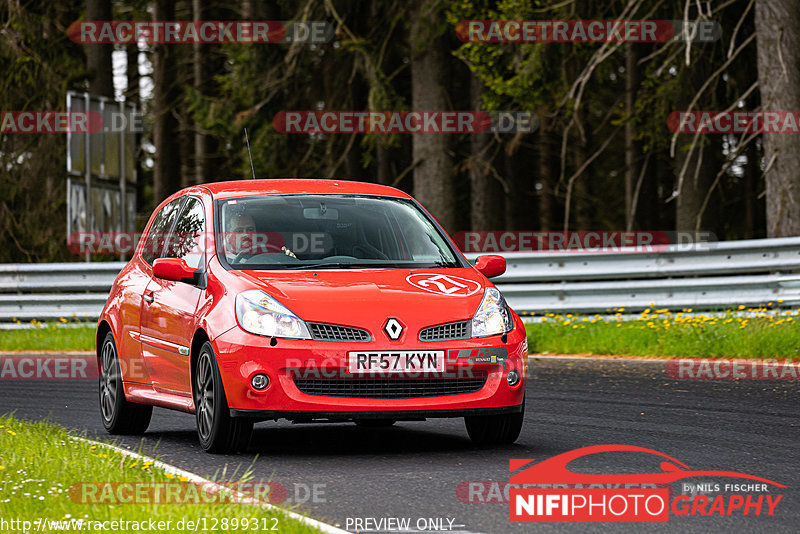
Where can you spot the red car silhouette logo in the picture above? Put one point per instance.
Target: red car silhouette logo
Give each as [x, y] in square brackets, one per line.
[554, 470]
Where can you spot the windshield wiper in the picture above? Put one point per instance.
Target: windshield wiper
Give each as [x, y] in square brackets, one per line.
[332, 265]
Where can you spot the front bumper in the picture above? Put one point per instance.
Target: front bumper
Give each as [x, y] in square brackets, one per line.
[407, 415]
[241, 355]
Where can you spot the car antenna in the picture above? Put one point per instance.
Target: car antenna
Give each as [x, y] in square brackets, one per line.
[247, 140]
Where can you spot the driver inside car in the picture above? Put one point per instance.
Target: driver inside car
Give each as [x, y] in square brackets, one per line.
[243, 242]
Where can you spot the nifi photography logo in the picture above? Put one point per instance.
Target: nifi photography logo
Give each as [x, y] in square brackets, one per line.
[550, 491]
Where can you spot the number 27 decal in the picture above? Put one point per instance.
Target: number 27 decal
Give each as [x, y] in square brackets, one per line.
[444, 284]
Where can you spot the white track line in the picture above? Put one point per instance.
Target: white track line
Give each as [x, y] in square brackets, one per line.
[197, 479]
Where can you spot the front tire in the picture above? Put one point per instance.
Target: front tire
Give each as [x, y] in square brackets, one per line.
[495, 429]
[119, 416]
[217, 430]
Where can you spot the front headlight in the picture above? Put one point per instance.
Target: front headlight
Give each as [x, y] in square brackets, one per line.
[493, 316]
[258, 313]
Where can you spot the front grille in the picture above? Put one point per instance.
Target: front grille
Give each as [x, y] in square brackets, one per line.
[443, 332]
[390, 388]
[332, 332]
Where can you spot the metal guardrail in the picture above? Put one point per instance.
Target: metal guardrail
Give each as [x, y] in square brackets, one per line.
[715, 293]
[50, 291]
[701, 259]
[705, 276]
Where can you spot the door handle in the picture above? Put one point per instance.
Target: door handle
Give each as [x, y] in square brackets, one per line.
[148, 298]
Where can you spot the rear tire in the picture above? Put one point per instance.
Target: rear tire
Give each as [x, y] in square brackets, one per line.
[217, 430]
[119, 416]
[495, 429]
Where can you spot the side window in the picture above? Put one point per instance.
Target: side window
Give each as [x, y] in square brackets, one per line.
[154, 242]
[186, 241]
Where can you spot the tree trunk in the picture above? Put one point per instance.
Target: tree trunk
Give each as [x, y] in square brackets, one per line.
[199, 68]
[693, 191]
[633, 151]
[133, 96]
[167, 161]
[354, 167]
[98, 56]
[518, 176]
[582, 198]
[777, 25]
[383, 164]
[433, 171]
[485, 190]
[132, 92]
[695, 186]
[752, 173]
[357, 92]
[548, 174]
[651, 213]
[582, 209]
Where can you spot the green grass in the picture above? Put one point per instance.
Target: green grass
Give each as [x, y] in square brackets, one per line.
[49, 337]
[760, 335]
[39, 462]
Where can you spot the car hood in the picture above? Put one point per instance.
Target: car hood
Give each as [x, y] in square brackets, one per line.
[367, 298]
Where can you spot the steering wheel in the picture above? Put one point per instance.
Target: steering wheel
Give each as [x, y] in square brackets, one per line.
[241, 256]
[245, 257]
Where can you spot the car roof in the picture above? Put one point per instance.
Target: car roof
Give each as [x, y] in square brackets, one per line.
[295, 186]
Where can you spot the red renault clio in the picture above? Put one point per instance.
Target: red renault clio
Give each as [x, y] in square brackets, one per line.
[308, 300]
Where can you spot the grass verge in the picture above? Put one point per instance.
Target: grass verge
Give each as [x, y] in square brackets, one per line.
[661, 333]
[48, 338]
[759, 334]
[40, 462]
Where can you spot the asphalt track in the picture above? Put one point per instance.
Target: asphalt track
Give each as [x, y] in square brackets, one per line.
[412, 470]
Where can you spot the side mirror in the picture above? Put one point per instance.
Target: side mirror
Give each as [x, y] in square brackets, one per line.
[491, 266]
[174, 269]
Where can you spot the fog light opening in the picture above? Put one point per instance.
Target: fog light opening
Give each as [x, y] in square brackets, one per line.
[513, 377]
[259, 381]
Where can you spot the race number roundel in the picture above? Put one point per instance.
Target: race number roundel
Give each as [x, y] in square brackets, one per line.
[444, 284]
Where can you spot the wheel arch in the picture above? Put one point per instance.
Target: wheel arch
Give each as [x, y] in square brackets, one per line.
[199, 338]
[103, 328]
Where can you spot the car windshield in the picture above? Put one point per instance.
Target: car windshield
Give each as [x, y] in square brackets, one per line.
[328, 231]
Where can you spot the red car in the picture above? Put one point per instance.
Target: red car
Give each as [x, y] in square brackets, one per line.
[308, 300]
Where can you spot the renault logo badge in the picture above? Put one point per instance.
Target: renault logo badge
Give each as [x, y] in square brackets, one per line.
[393, 329]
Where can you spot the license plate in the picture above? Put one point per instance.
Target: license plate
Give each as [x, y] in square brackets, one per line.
[398, 361]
